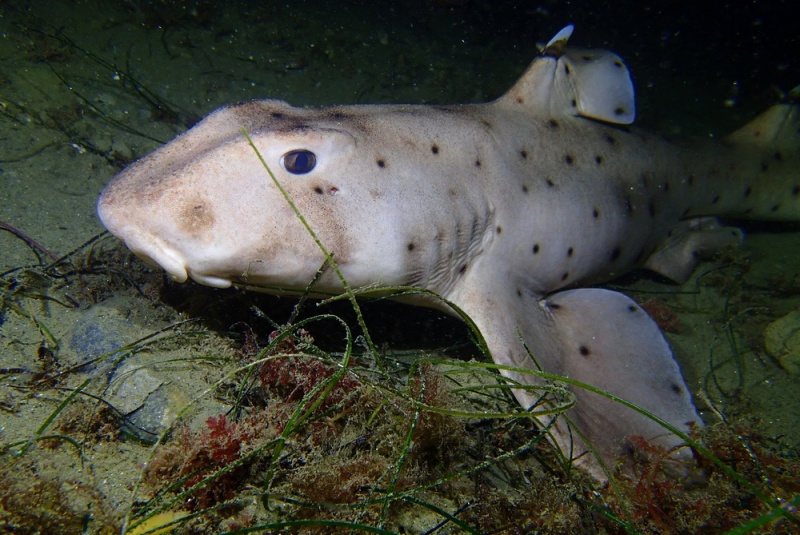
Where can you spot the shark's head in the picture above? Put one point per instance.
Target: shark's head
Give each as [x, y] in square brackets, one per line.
[204, 206]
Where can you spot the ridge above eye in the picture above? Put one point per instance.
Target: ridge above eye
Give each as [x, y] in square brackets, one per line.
[299, 161]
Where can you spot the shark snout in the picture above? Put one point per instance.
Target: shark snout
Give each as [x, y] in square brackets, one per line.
[119, 220]
[153, 236]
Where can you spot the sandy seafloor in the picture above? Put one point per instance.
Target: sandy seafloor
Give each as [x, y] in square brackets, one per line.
[72, 113]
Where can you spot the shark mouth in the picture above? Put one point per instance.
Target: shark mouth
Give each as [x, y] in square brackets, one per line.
[158, 254]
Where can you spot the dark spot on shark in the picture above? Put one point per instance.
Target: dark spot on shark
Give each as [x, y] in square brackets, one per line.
[610, 139]
[715, 199]
[574, 103]
[462, 269]
[595, 212]
[795, 191]
[598, 159]
[524, 154]
[666, 186]
[627, 203]
[524, 188]
[583, 350]
[565, 276]
[569, 159]
[435, 149]
[535, 248]
[775, 208]
[486, 123]
[619, 110]
[520, 100]
[549, 183]
[632, 308]
[519, 292]
[318, 190]
[381, 163]
[764, 166]
[566, 69]
[617, 64]
[553, 124]
[499, 229]
[586, 57]
[778, 156]
[570, 252]
[276, 115]
[477, 163]
[676, 388]
[690, 180]
[616, 253]
[410, 246]
[748, 190]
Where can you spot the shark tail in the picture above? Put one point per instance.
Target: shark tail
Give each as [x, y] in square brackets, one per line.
[777, 129]
[759, 166]
[755, 174]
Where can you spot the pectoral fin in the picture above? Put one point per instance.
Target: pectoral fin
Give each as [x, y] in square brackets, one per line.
[594, 336]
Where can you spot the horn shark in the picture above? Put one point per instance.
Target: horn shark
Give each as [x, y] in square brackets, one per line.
[506, 209]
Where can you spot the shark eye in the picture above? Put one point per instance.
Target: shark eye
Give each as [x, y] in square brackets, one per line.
[299, 162]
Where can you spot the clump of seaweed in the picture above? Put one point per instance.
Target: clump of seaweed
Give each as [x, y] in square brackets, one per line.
[184, 464]
[291, 378]
[709, 499]
[32, 502]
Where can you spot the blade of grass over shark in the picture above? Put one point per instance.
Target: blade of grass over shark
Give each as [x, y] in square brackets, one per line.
[322, 248]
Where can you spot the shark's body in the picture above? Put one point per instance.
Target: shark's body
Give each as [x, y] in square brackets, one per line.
[496, 207]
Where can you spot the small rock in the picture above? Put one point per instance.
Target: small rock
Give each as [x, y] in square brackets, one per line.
[782, 340]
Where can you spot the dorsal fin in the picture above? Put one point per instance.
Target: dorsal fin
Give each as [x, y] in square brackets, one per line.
[589, 83]
[776, 129]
